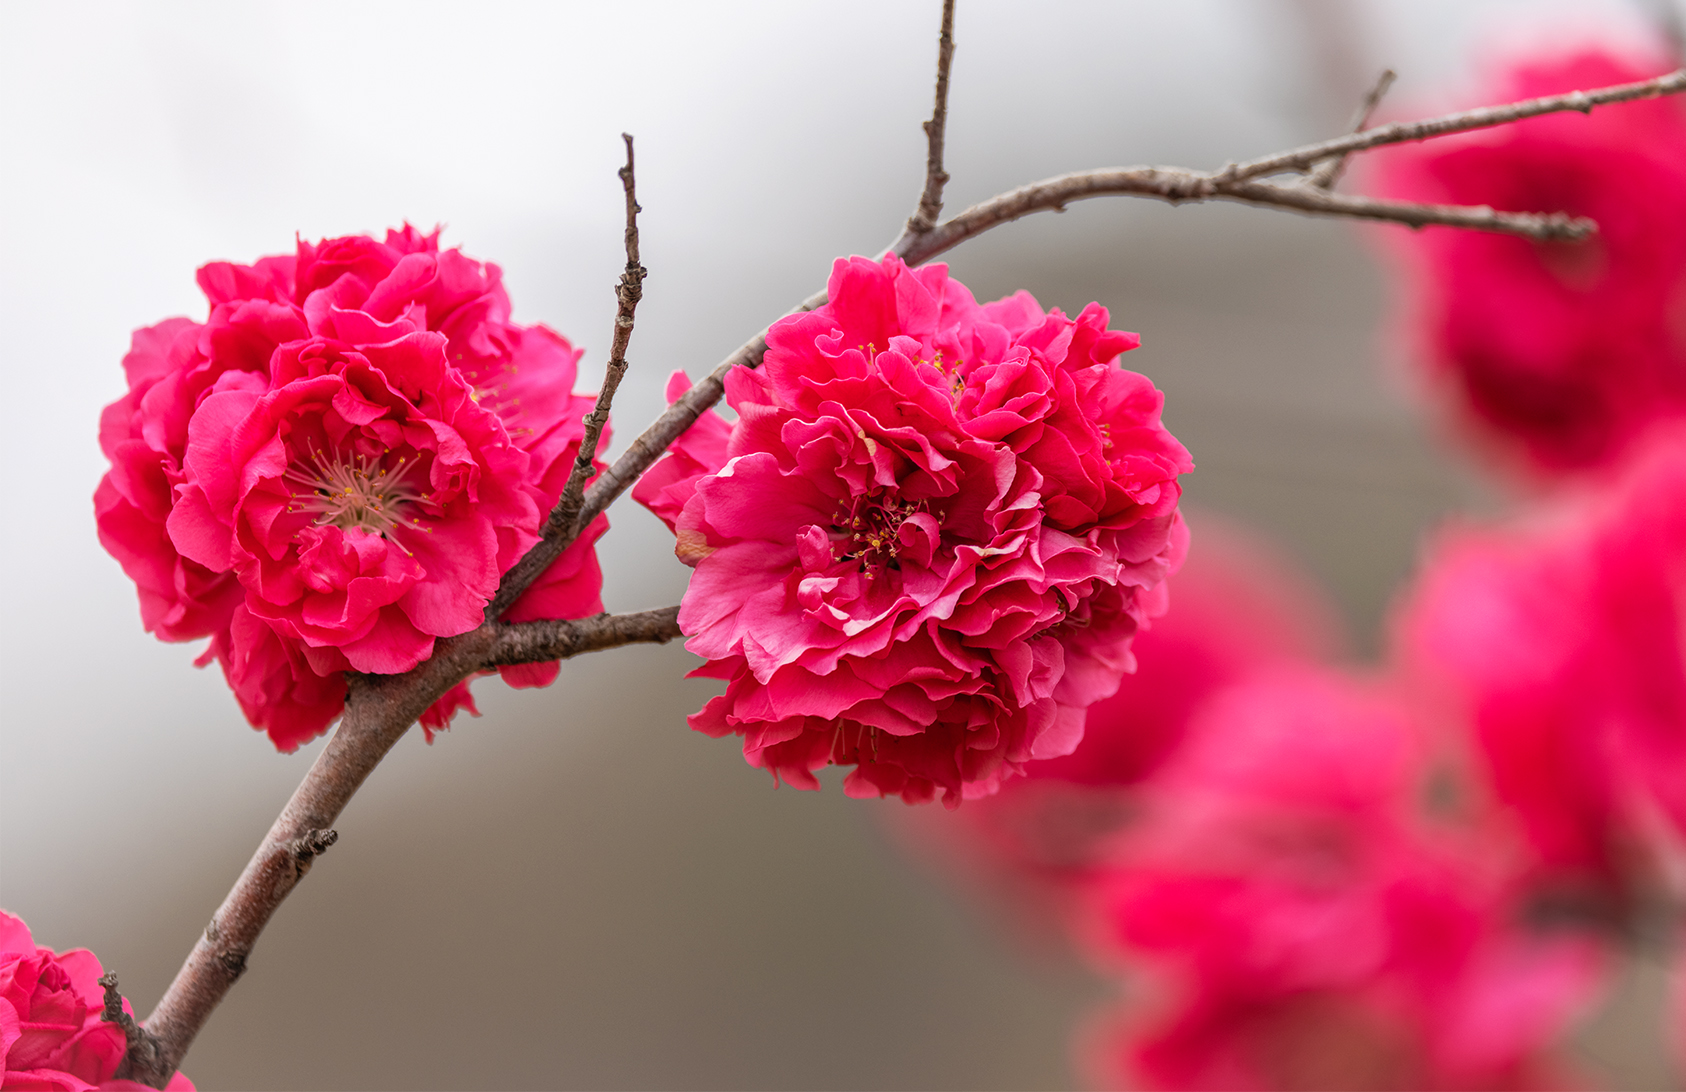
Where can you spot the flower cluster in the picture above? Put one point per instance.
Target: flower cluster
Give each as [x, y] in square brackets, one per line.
[1566, 351]
[1560, 639]
[1238, 609]
[1310, 934]
[337, 466]
[52, 1036]
[923, 547]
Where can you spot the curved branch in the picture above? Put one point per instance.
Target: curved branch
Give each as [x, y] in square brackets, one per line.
[379, 709]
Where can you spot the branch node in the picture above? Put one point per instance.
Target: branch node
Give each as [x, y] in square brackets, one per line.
[312, 844]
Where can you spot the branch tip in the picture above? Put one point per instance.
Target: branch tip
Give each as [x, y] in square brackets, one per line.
[930, 205]
[565, 522]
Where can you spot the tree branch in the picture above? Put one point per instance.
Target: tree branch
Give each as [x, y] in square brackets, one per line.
[1404, 132]
[560, 528]
[1328, 172]
[541, 642]
[930, 206]
[379, 709]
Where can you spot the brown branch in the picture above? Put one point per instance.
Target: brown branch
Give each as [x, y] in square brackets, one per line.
[559, 529]
[930, 207]
[1178, 185]
[541, 642]
[1404, 132]
[379, 710]
[1328, 172]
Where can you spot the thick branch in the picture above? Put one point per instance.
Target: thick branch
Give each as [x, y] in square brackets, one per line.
[379, 710]
[541, 642]
[1404, 132]
[924, 217]
[559, 530]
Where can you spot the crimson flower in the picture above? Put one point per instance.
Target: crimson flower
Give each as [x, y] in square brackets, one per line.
[1563, 350]
[924, 546]
[52, 1037]
[1561, 638]
[396, 441]
[1236, 608]
[1307, 930]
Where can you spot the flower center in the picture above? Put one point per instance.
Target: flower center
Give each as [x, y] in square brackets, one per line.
[867, 527]
[348, 493]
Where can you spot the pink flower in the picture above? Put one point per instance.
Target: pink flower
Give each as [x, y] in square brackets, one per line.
[925, 544]
[1564, 350]
[291, 606]
[1307, 930]
[1561, 637]
[1236, 608]
[52, 1038]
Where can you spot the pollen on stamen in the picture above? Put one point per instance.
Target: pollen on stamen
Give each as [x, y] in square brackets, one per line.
[357, 492]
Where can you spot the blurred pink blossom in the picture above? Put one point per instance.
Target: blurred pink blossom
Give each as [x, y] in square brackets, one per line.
[924, 546]
[1565, 351]
[1561, 637]
[1307, 930]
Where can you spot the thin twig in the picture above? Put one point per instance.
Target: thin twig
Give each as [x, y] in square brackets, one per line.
[930, 207]
[379, 710]
[1403, 132]
[1326, 174]
[1177, 186]
[559, 530]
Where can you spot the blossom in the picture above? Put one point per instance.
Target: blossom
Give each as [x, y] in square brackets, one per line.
[923, 547]
[1563, 350]
[1236, 608]
[1307, 929]
[52, 1037]
[1560, 636]
[453, 434]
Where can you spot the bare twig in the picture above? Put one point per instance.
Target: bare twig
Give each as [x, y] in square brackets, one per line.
[924, 217]
[559, 530]
[1404, 132]
[1327, 173]
[143, 1049]
[1177, 186]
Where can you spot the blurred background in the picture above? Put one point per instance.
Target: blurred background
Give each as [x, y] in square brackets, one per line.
[576, 890]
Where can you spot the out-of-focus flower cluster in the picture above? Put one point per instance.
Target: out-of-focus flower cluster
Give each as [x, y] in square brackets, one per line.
[52, 1035]
[1419, 875]
[923, 548]
[337, 466]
